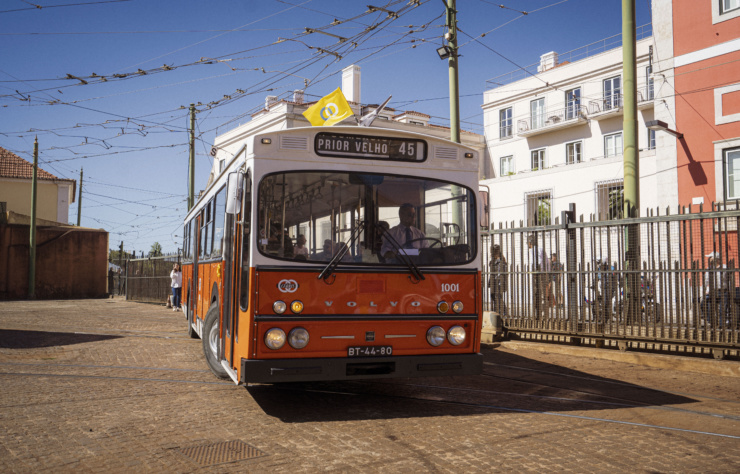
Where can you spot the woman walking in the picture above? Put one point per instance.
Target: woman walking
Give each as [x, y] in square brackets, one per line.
[176, 276]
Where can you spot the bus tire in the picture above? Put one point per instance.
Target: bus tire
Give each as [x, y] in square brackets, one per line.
[211, 341]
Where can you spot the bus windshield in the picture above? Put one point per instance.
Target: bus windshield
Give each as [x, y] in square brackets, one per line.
[369, 219]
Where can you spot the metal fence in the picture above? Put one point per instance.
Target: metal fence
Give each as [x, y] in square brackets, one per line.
[148, 279]
[670, 279]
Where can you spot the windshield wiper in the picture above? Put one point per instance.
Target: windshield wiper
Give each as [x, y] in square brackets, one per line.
[332, 265]
[401, 253]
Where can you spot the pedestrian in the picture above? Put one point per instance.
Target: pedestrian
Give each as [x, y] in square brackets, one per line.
[716, 291]
[498, 280]
[556, 278]
[539, 266]
[176, 276]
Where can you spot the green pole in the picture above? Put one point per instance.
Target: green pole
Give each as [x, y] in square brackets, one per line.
[629, 72]
[191, 185]
[32, 243]
[452, 62]
[79, 200]
[631, 162]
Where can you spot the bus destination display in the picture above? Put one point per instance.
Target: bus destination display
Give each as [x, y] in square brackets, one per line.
[375, 148]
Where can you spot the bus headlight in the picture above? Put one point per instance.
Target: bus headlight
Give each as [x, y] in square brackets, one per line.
[298, 338]
[279, 307]
[457, 306]
[275, 338]
[296, 306]
[435, 335]
[443, 307]
[456, 335]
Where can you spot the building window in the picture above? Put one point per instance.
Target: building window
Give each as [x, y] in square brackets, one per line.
[572, 153]
[613, 144]
[537, 111]
[507, 165]
[732, 171]
[649, 81]
[650, 139]
[612, 93]
[538, 159]
[729, 5]
[572, 103]
[505, 121]
[610, 200]
[539, 208]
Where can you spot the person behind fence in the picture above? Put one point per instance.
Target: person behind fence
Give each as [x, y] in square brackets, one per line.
[176, 276]
[497, 280]
[539, 266]
[715, 292]
[556, 278]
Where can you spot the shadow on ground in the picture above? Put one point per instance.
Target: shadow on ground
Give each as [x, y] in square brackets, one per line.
[18, 339]
[510, 384]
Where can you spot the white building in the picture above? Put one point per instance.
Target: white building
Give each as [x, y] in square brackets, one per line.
[554, 134]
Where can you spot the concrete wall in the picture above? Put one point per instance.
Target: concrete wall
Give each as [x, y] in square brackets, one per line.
[70, 262]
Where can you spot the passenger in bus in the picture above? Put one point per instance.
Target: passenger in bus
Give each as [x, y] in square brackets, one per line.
[300, 248]
[342, 248]
[327, 253]
[279, 242]
[405, 234]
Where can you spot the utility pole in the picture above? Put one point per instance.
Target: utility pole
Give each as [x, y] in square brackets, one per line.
[631, 162]
[191, 174]
[79, 200]
[32, 243]
[451, 37]
[629, 72]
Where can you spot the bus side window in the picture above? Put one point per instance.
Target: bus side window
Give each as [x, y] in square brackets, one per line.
[219, 212]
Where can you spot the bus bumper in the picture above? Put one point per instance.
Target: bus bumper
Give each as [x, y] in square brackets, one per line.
[312, 370]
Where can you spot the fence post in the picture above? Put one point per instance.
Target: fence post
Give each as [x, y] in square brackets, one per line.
[571, 257]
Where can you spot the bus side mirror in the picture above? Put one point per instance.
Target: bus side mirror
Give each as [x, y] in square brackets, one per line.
[484, 208]
[234, 193]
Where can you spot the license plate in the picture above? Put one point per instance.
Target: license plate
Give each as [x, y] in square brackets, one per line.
[369, 351]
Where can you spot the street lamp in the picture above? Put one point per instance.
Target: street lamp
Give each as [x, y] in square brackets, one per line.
[444, 52]
[660, 125]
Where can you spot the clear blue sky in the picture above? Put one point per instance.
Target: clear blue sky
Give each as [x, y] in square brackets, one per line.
[129, 132]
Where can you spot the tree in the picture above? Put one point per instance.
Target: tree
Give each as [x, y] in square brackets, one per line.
[156, 250]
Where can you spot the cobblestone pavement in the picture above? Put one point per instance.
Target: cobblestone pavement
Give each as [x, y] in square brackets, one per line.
[115, 386]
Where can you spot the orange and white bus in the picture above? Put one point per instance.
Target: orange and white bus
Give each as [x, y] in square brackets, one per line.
[298, 265]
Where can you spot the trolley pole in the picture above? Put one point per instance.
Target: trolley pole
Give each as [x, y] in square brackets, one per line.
[79, 200]
[452, 63]
[191, 174]
[32, 242]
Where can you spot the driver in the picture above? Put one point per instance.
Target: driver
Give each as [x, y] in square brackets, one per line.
[405, 234]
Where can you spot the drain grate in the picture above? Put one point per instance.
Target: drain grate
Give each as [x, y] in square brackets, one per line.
[219, 453]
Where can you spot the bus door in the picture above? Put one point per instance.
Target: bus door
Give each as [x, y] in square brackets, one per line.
[232, 267]
[194, 291]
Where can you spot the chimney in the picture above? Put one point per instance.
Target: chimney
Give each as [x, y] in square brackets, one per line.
[298, 96]
[270, 100]
[548, 61]
[351, 83]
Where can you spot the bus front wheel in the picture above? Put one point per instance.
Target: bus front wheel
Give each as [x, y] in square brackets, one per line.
[211, 341]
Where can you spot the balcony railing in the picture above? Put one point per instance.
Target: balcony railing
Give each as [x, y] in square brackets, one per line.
[557, 118]
[577, 54]
[615, 102]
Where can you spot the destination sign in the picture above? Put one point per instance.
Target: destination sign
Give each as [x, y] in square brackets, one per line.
[375, 148]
